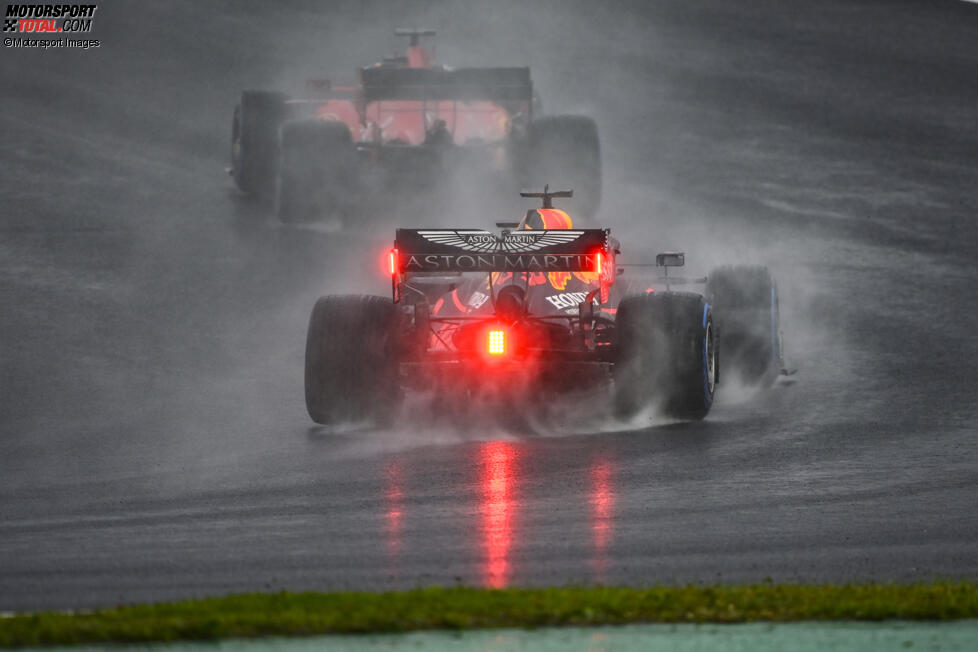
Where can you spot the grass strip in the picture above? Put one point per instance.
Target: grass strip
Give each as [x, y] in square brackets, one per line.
[303, 614]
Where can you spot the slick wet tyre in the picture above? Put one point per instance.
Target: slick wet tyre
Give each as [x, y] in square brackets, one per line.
[745, 302]
[351, 370]
[667, 355]
[318, 167]
[254, 141]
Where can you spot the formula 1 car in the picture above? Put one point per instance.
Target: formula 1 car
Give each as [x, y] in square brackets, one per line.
[538, 310]
[406, 125]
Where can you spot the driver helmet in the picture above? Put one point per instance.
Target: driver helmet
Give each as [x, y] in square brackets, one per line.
[546, 218]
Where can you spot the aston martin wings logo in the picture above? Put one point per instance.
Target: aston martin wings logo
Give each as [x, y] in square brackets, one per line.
[483, 242]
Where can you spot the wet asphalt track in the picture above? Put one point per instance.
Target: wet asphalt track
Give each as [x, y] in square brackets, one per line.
[154, 443]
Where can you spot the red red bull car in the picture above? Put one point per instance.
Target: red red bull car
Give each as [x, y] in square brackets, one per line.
[407, 123]
[535, 311]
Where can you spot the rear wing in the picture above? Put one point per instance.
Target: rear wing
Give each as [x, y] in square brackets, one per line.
[473, 84]
[472, 250]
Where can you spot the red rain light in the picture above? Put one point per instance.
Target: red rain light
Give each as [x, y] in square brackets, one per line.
[599, 263]
[393, 262]
[496, 342]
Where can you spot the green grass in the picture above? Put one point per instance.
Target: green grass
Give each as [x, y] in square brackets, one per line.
[301, 614]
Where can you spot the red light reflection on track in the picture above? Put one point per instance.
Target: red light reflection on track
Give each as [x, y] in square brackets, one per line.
[497, 510]
[602, 501]
[393, 504]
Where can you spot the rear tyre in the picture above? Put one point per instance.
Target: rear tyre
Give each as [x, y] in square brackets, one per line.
[351, 360]
[565, 152]
[667, 355]
[745, 300]
[317, 171]
[254, 140]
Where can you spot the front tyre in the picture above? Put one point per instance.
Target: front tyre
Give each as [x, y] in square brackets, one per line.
[351, 360]
[667, 355]
[745, 298]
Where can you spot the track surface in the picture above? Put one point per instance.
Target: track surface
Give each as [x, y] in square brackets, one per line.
[154, 444]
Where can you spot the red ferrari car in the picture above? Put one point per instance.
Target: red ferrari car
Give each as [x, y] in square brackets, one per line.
[408, 123]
